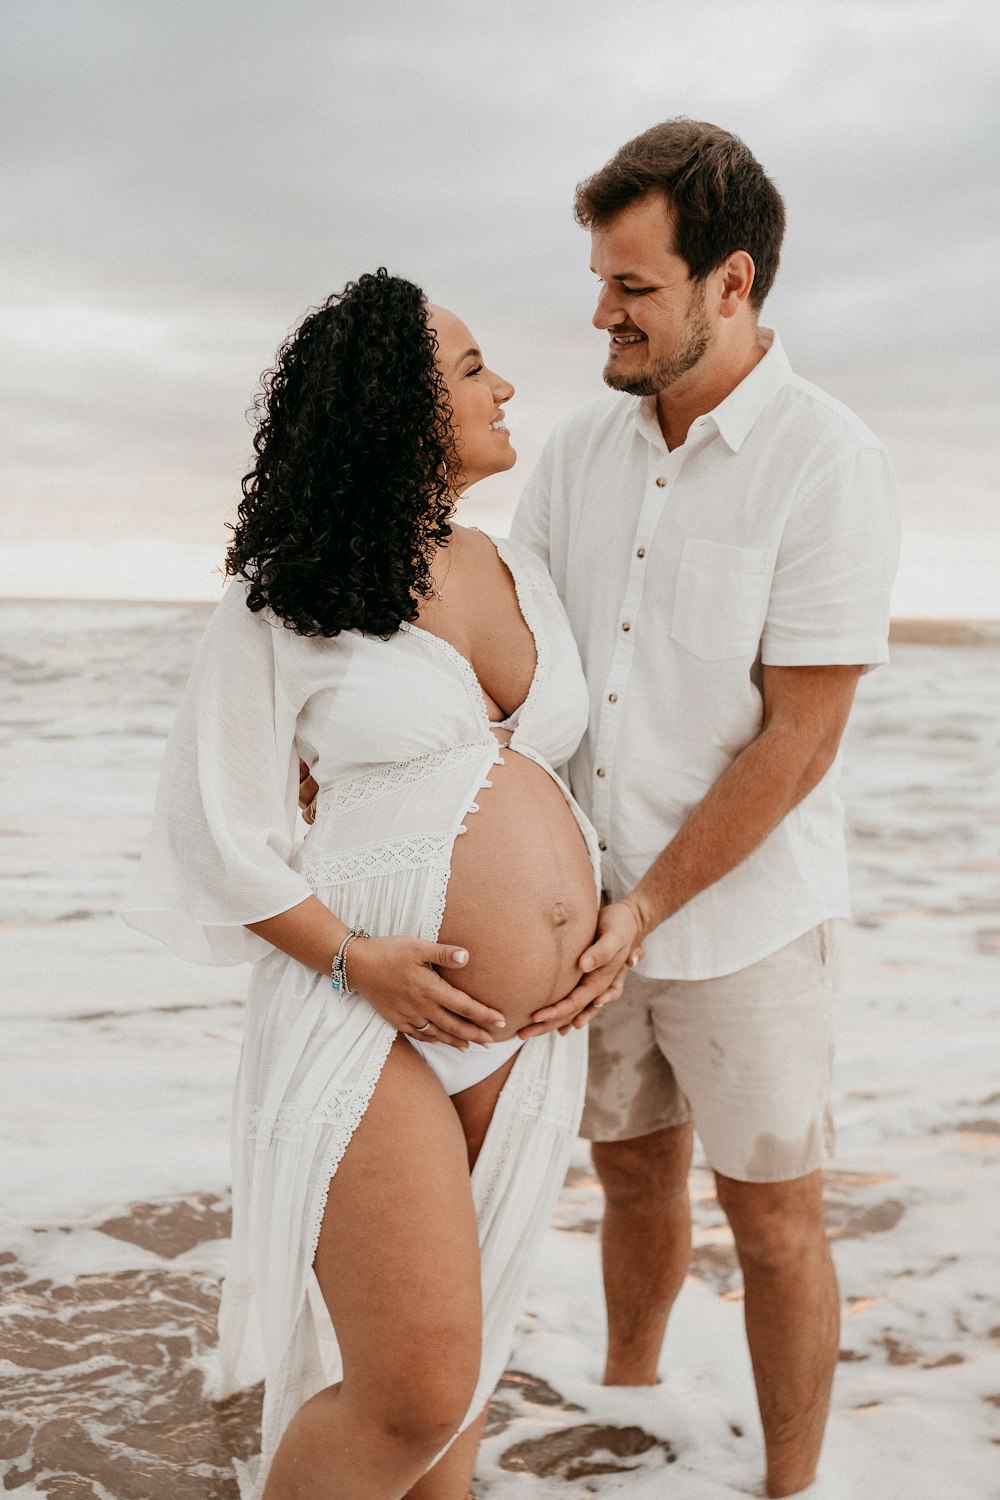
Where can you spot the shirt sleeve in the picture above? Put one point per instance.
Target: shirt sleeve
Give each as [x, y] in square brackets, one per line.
[224, 825]
[530, 526]
[829, 602]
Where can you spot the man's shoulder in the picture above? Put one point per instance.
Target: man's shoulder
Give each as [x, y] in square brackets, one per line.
[817, 418]
[607, 412]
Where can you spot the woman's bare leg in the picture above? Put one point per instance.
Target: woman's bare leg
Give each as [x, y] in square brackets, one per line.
[398, 1265]
[451, 1475]
[475, 1107]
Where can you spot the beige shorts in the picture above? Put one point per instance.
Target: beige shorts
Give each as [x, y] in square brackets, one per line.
[747, 1057]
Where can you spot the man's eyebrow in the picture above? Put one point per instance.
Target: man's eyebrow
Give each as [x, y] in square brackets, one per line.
[466, 353]
[625, 276]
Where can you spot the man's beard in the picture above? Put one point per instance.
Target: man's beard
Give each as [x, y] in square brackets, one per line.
[650, 382]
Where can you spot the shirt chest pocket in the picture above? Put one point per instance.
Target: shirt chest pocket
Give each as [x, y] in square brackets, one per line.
[721, 599]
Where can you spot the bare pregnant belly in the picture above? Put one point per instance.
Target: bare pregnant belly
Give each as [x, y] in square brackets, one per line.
[521, 896]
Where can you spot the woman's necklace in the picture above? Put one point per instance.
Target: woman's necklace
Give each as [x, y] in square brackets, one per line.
[435, 590]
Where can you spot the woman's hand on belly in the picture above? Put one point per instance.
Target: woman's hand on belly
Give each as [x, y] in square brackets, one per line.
[603, 965]
[397, 977]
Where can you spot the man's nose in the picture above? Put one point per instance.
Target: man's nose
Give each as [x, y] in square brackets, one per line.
[607, 313]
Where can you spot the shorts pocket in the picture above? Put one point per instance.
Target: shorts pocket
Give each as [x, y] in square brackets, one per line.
[721, 599]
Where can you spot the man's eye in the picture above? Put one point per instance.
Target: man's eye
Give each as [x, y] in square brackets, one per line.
[637, 291]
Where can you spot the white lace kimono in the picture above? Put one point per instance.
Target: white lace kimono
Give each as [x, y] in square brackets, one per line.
[400, 744]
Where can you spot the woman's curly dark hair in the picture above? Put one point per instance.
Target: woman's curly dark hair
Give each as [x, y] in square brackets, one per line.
[349, 495]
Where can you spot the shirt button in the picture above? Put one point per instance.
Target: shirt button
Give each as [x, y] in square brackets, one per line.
[626, 625]
[661, 483]
[640, 552]
[601, 771]
[602, 846]
[612, 697]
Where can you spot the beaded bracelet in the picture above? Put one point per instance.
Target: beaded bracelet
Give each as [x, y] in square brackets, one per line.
[338, 970]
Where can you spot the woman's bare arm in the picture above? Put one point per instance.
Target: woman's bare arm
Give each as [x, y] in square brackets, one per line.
[396, 975]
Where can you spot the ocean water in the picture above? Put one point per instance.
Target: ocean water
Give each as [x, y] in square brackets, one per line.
[117, 1064]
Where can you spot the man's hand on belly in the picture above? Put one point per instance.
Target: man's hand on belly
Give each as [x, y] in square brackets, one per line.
[603, 965]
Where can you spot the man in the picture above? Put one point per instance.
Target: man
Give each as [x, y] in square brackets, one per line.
[724, 537]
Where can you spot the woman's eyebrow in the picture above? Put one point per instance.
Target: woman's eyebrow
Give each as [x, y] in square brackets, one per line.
[465, 355]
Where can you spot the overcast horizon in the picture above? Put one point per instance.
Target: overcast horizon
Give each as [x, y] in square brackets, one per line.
[181, 186]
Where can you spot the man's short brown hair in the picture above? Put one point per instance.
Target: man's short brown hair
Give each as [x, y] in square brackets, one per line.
[721, 198]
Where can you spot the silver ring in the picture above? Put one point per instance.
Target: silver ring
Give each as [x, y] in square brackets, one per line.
[424, 1027]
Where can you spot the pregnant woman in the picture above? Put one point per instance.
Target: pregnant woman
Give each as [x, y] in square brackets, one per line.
[397, 1147]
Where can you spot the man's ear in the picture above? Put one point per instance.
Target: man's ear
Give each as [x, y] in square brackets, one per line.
[738, 273]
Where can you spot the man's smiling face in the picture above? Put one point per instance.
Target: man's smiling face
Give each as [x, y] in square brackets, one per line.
[655, 314]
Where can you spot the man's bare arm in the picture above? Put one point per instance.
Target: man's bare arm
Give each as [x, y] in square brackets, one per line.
[805, 713]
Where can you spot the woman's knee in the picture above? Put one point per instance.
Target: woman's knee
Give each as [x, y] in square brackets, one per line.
[424, 1417]
[424, 1401]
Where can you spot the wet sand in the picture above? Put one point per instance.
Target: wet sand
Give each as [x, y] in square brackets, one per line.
[103, 1388]
[104, 1393]
[118, 1064]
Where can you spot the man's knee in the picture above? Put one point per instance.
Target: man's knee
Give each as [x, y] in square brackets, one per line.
[646, 1171]
[774, 1224]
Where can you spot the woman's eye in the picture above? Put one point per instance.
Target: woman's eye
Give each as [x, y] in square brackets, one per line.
[476, 371]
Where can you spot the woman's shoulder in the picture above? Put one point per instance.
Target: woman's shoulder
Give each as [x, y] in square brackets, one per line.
[234, 604]
[235, 616]
[233, 619]
[526, 566]
[237, 632]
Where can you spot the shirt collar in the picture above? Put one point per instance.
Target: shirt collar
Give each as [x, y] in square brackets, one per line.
[735, 416]
[737, 413]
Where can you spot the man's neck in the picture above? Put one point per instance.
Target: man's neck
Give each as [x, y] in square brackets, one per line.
[720, 370]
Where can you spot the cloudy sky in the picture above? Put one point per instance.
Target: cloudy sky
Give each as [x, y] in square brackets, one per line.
[181, 182]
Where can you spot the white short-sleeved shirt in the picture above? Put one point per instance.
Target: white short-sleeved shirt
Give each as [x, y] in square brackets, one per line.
[770, 537]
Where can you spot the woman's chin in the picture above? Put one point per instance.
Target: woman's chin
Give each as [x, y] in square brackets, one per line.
[498, 465]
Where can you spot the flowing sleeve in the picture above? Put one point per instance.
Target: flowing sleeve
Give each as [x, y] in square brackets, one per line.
[224, 825]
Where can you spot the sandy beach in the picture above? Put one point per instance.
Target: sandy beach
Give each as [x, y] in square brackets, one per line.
[118, 1062]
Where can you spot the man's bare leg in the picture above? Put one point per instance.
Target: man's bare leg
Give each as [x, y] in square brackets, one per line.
[792, 1317]
[645, 1245]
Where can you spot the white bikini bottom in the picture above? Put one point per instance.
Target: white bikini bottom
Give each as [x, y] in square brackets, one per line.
[460, 1070]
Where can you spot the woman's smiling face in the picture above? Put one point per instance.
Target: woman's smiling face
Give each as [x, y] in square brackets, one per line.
[476, 395]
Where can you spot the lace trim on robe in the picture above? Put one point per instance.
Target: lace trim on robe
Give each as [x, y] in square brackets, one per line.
[473, 686]
[523, 587]
[345, 796]
[412, 853]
